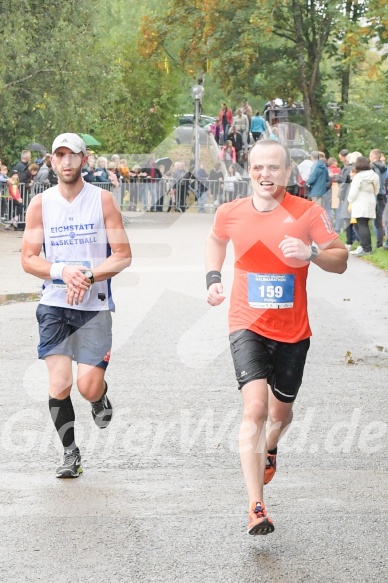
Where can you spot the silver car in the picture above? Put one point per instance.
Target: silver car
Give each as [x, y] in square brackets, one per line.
[184, 131]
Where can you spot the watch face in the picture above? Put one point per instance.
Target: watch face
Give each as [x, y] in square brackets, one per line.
[89, 273]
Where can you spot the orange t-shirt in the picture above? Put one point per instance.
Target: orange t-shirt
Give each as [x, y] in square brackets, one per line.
[262, 275]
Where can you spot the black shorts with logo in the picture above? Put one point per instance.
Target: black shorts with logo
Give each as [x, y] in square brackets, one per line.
[84, 336]
[281, 363]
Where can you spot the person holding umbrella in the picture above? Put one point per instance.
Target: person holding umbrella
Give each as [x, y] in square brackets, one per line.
[35, 147]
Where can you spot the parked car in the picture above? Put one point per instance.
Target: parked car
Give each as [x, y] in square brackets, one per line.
[204, 121]
[184, 131]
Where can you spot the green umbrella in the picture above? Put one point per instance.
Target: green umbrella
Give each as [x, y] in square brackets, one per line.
[90, 140]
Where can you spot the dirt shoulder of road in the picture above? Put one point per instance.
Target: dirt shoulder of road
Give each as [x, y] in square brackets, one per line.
[13, 279]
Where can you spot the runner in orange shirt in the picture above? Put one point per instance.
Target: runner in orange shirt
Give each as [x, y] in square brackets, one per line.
[275, 237]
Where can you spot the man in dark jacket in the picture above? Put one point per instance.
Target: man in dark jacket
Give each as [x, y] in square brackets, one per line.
[236, 138]
[216, 180]
[22, 167]
[24, 175]
[152, 181]
[181, 181]
[318, 179]
[380, 169]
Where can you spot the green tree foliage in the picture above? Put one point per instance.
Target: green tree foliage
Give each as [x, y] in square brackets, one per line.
[138, 106]
[122, 69]
[139, 111]
[365, 117]
[48, 71]
[275, 48]
[77, 68]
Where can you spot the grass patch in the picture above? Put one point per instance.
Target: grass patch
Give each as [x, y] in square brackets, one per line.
[378, 257]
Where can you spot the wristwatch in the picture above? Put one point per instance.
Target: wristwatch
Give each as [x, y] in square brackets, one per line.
[313, 252]
[89, 274]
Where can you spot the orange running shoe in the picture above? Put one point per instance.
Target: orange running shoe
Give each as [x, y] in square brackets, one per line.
[259, 521]
[270, 467]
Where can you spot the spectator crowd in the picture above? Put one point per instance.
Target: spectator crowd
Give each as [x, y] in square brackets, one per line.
[353, 194]
[352, 189]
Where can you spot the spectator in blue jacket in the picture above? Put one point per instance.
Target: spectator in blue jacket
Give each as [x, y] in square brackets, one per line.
[318, 180]
[258, 126]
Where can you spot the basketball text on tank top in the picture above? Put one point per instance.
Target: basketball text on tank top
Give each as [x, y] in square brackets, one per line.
[74, 233]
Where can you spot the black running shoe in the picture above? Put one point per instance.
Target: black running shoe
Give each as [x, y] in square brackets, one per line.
[102, 410]
[71, 467]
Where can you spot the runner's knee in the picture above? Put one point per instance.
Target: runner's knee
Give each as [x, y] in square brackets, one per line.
[91, 389]
[255, 410]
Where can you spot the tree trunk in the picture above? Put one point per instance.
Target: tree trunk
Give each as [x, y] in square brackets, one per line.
[345, 84]
[298, 24]
[319, 123]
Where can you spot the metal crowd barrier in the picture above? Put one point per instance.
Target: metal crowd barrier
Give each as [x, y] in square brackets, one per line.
[13, 213]
[159, 194]
[179, 194]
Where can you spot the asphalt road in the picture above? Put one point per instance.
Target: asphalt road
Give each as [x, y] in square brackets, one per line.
[162, 497]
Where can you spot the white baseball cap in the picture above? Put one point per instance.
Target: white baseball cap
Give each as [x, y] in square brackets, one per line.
[71, 141]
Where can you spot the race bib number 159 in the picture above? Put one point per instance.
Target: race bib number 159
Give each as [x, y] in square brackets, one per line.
[269, 290]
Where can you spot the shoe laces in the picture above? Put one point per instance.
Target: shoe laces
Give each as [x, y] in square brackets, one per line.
[70, 457]
[270, 463]
[259, 510]
[99, 406]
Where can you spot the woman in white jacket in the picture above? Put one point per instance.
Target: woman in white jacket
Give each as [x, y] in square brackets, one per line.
[362, 198]
[230, 183]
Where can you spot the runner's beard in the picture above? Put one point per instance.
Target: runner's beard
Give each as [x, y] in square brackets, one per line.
[70, 179]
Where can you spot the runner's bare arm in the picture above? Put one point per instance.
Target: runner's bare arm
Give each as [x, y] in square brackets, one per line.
[215, 252]
[332, 257]
[121, 251]
[33, 241]
[215, 257]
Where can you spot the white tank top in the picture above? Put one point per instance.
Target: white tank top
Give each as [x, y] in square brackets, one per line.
[74, 232]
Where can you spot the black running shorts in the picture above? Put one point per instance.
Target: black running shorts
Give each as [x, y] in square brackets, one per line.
[281, 363]
[84, 336]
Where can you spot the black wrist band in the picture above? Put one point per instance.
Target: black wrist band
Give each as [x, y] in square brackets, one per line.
[212, 277]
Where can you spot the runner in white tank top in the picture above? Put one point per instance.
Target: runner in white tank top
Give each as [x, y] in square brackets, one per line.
[81, 232]
[75, 233]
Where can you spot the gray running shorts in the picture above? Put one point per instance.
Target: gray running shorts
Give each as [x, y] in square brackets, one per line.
[84, 336]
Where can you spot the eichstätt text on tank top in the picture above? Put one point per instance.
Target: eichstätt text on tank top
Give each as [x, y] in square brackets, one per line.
[74, 233]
